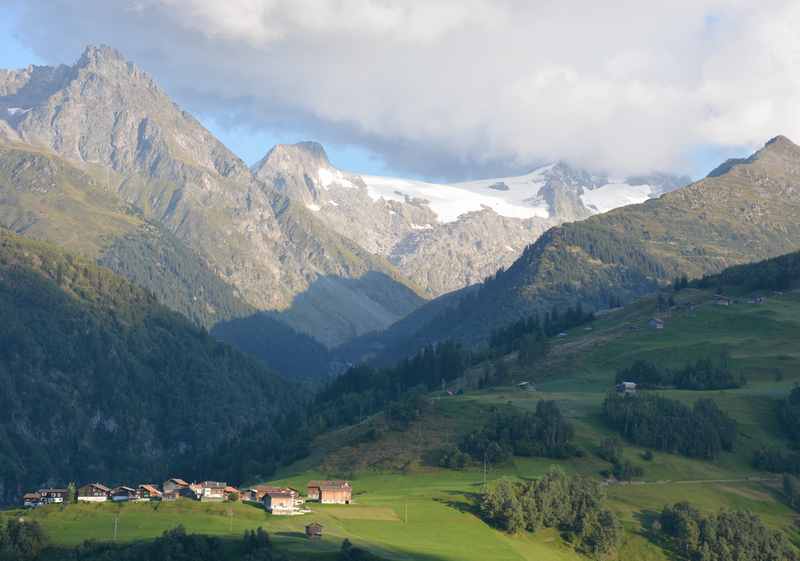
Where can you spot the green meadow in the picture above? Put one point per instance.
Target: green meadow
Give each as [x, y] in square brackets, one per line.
[427, 513]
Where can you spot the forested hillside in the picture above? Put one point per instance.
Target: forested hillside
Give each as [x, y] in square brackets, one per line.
[744, 211]
[102, 382]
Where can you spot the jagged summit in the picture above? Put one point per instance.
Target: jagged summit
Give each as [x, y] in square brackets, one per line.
[100, 54]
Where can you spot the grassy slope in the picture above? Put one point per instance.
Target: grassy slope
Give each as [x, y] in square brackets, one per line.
[761, 340]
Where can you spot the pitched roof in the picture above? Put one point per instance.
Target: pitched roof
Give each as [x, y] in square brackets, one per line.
[128, 490]
[28, 496]
[98, 486]
[329, 484]
[178, 481]
[280, 495]
[150, 488]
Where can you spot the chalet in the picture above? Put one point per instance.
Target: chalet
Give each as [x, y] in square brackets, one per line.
[31, 500]
[123, 494]
[626, 388]
[52, 496]
[656, 323]
[280, 502]
[232, 491]
[148, 492]
[330, 492]
[94, 493]
[174, 485]
[212, 491]
[314, 531]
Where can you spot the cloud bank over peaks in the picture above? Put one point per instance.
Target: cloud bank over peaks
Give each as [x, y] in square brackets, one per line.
[444, 88]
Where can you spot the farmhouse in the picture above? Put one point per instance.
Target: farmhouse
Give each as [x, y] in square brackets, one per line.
[330, 492]
[31, 500]
[250, 495]
[280, 502]
[212, 491]
[52, 496]
[174, 485]
[94, 493]
[627, 388]
[123, 494]
[230, 490]
[314, 530]
[148, 492]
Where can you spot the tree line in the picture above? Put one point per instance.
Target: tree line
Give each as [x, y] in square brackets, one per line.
[703, 374]
[363, 390]
[575, 505]
[700, 431]
[722, 536]
[507, 432]
[775, 459]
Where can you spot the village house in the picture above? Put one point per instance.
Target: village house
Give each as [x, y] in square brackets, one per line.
[52, 496]
[314, 530]
[526, 387]
[723, 301]
[231, 491]
[211, 491]
[148, 492]
[280, 502]
[330, 492]
[249, 495]
[656, 323]
[31, 500]
[174, 485]
[123, 494]
[94, 493]
[626, 388]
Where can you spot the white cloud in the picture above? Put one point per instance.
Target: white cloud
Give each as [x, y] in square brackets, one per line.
[437, 85]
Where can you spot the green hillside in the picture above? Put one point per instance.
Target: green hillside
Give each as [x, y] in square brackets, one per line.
[744, 211]
[102, 382]
[406, 506]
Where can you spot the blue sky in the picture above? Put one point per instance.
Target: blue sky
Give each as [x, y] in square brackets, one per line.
[424, 158]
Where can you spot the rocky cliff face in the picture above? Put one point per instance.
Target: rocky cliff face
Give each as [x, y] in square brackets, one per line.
[110, 119]
[446, 237]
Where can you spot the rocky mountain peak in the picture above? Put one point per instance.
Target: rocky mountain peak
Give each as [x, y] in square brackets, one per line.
[776, 152]
[308, 156]
[568, 175]
[100, 55]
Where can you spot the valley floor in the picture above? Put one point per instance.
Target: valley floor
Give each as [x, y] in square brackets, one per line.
[428, 514]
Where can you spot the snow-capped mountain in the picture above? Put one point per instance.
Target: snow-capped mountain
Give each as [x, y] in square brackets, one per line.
[447, 236]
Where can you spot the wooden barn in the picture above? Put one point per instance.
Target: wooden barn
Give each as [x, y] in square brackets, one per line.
[330, 492]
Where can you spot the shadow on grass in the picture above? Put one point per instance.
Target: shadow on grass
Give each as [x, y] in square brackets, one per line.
[468, 503]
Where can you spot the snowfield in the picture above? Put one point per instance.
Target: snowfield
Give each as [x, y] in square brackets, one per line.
[512, 197]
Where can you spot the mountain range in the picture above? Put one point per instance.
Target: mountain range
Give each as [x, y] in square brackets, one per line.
[743, 211]
[291, 254]
[445, 237]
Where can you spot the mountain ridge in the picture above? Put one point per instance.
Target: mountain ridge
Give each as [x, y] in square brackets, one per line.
[743, 214]
[446, 236]
[108, 118]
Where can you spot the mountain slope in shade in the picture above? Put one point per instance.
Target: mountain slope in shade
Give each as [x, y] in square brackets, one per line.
[106, 117]
[100, 382]
[745, 211]
[446, 237]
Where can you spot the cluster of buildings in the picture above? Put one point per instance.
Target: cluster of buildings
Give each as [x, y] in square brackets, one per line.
[277, 500]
